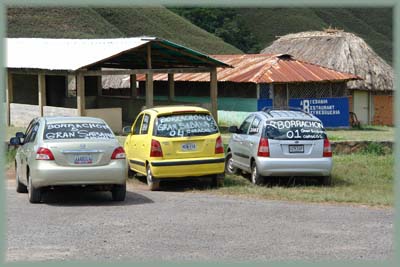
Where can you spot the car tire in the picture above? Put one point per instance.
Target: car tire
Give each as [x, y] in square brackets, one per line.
[218, 180]
[256, 178]
[20, 187]
[229, 169]
[326, 180]
[34, 194]
[152, 183]
[118, 192]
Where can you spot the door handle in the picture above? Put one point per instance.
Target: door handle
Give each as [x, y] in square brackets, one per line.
[251, 144]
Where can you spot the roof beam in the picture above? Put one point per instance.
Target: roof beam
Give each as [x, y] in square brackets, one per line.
[144, 71]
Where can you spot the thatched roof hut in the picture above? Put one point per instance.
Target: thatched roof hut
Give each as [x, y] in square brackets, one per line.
[341, 51]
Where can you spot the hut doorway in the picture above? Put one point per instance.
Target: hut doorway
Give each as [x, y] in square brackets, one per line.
[361, 106]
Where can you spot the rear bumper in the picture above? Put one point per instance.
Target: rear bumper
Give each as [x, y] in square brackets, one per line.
[298, 167]
[48, 173]
[187, 168]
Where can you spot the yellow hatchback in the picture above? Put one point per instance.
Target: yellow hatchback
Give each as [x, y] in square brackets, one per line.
[175, 142]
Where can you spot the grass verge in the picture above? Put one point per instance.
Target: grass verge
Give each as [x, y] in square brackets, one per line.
[363, 178]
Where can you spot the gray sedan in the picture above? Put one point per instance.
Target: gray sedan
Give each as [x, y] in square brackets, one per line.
[280, 143]
[69, 151]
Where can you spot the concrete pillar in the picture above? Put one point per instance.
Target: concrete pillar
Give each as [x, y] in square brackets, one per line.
[133, 86]
[214, 93]
[80, 94]
[42, 92]
[9, 97]
[171, 87]
[149, 90]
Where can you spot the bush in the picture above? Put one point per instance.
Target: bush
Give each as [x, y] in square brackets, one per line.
[375, 149]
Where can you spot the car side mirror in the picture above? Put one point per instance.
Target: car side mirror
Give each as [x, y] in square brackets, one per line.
[15, 141]
[126, 130]
[20, 135]
[233, 129]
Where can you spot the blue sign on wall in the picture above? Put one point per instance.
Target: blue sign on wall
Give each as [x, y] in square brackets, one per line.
[264, 102]
[333, 112]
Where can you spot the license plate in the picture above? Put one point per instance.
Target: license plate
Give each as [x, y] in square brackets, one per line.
[188, 147]
[296, 148]
[83, 159]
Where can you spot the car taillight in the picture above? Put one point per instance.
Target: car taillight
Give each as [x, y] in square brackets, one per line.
[327, 149]
[44, 154]
[155, 150]
[119, 153]
[219, 146]
[263, 148]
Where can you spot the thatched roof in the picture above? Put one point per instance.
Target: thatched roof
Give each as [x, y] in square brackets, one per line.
[341, 51]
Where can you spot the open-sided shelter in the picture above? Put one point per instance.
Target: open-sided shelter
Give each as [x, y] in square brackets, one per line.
[39, 72]
[254, 80]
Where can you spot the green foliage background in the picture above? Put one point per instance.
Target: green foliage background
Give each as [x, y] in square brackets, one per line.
[252, 29]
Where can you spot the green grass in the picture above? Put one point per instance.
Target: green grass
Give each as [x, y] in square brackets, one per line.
[367, 133]
[365, 179]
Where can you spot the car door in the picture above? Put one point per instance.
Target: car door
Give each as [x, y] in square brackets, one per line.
[251, 140]
[132, 145]
[28, 152]
[143, 141]
[240, 153]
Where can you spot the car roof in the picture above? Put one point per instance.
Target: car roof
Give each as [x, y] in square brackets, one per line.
[180, 108]
[66, 119]
[287, 114]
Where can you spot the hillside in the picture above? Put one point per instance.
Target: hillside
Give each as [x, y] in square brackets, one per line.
[374, 25]
[112, 23]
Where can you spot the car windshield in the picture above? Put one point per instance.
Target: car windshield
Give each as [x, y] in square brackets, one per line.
[77, 130]
[187, 124]
[294, 130]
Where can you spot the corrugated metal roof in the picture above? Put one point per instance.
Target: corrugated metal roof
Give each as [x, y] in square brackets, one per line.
[264, 68]
[74, 54]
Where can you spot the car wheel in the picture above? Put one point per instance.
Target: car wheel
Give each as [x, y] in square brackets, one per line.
[256, 178]
[152, 183]
[218, 180]
[20, 187]
[229, 165]
[118, 192]
[34, 194]
[326, 180]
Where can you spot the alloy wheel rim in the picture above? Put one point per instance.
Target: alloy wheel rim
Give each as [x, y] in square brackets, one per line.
[230, 166]
[149, 177]
[253, 175]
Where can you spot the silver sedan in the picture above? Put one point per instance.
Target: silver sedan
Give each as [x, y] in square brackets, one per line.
[69, 151]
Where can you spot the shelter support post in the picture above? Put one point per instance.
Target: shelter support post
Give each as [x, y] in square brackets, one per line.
[149, 80]
[99, 84]
[258, 91]
[214, 93]
[132, 79]
[171, 86]
[9, 97]
[149, 90]
[80, 94]
[42, 92]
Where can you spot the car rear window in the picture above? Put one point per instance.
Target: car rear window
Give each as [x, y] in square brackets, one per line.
[294, 130]
[178, 125]
[77, 130]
